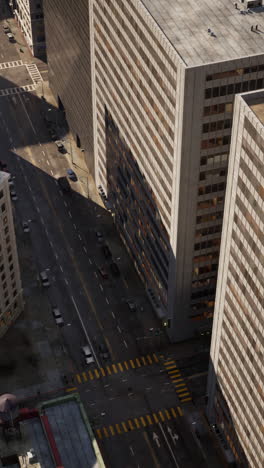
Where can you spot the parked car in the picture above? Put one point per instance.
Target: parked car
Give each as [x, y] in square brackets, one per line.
[103, 351]
[13, 195]
[64, 184]
[106, 251]
[114, 269]
[44, 279]
[6, 29]
[11, 37]
[103, 272]
[71, 174]
[99, 236]
[131, 304]
[60, 146]
[58, 317]
[86, 351]
[25, 226]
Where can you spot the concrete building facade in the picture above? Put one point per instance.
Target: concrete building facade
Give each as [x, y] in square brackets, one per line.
[11, 299]
[29, 14]
[235, 384]
[163, 84]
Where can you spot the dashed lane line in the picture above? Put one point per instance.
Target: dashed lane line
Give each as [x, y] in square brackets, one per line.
[123, 366]
[141, 422]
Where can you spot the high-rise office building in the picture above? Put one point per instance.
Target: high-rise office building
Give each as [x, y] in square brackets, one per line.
[11, 299]
[29, 14]
[67, 26]
[163, 82]
[235, 384]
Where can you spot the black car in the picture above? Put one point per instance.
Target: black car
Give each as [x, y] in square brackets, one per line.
[64, 184]
[106, 251]
[103, 351]
[114, 269]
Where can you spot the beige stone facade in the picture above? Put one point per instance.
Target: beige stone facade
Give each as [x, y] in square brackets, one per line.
[11, 299]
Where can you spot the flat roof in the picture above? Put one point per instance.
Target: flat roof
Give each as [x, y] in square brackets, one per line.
[185, 23]
[255, 101]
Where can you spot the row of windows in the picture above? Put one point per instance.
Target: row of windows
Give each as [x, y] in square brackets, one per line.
[217, 125]
[208, 230]
[234, 88]
[237, 72]
[204, 293]
[209, 217]
[205, 269]
[210, 203]
[218, 108]
[207, 244]
[207, 175]
[214, 159]
[214, 142]
[205, 189]
[203, 283]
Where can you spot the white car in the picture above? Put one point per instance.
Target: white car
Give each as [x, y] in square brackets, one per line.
[25, 226]
[89, 359]
[58, 317]
[13, 195]
[44, 279]
[11, 37]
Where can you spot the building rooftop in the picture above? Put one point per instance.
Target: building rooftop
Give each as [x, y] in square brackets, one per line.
[186, 23]
[255, 101]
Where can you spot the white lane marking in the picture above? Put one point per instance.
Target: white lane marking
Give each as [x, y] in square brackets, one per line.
[113, 314]
[61, 194]
[101, 287]
[90, 261]
[119, 329]
[70, 215]
[43, 152]
[42, 220]
[84, 248]
[85, 331]
[51, 243]
[61, 268]
[29, 119]
[66, 281]
[51, 172]
[125, 343]
[131, 450]
[30, 188]
[56, 255]
[169, 447]
[37, 209]
[107, 301]
[95, 274]
[48, 163]
[65, 203]
[79, 236]
[74, 225]
[34, 198]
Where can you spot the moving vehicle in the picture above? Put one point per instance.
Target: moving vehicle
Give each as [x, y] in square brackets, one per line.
[103, 272]
[25, 226]
[131, 304]
[64, 184]
[103, 351]
[86, 351]
[44, 279]
[72, 176]
[106, 251]
[58, 317]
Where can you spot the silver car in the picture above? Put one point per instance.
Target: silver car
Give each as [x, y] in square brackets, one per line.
[44, 279]
[58, 317]
[89, 359]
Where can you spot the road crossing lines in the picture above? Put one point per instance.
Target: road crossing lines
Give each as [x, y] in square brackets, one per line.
[113, 369]
[176, 378]
[141, 422]
[17, 90]
[34, 73]
[16, 63]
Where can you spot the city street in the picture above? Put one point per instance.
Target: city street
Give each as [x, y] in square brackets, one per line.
[131, 399]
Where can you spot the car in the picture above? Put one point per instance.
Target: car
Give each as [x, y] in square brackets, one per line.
[58, 317]
[106, 251]
[99, 236]
[103, 351]
[86, 351]
[6, 29]
[131, 304]
[25, 226]
[71, 174]
[11, 37]
[59, 145]
[103, 272]
[13, 195]
[64, 184]
[44, 279]
[114, 269]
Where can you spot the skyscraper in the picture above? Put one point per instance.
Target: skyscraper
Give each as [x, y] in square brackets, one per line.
[11, 299]
[235, 384]
[163, 81]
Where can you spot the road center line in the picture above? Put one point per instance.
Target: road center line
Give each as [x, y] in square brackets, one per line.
[101, 287]
[90, 261]
[168, 444]
[51, 243]
[113, 314]
[95, 274]
[154, 458]
[119, 329]
[70, 215]
[125, 343]
[61, 268]
[65, 203]
[84, 248]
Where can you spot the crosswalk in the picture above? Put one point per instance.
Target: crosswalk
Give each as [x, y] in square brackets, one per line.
[34, 73]
[16, 63]
[17, 90]
[139, 423]
[112, 369]
[177, 380]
